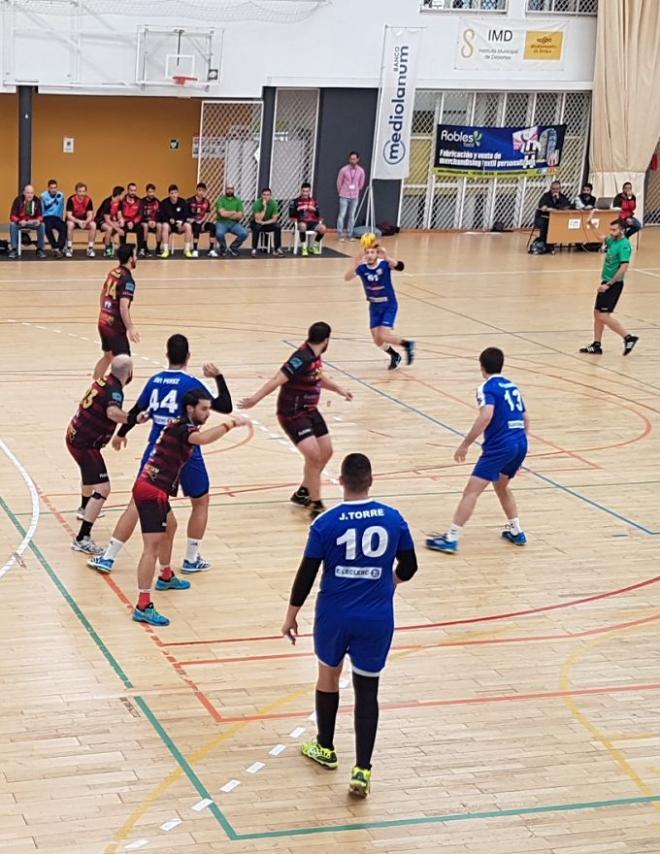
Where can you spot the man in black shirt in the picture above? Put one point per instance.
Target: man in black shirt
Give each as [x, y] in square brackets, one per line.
[174, 215]
[554, 199]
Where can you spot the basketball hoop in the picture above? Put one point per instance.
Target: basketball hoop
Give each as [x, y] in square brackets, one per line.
[182, 79]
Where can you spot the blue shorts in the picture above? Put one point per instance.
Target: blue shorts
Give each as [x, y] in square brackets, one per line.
[366, 641]
[507, 461]
[383, 314]
[194, 478]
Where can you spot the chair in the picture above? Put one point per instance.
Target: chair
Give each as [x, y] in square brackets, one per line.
[296, 239]
[266, 242]
[26, 228]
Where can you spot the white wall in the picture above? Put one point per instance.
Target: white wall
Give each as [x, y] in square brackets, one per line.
[339, 44]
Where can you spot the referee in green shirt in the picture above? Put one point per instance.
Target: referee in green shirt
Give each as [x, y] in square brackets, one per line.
[265, 216]
[617, 260]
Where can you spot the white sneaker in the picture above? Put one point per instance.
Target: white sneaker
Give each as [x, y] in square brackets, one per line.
[87, 546]
[90, 252]
[80, 515]
[213, 253]
[341, 238]
[68, 252]
[198, 565]
[195, 253]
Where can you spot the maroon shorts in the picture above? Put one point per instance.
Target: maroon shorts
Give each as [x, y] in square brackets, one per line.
[91, 464]
[113, 342]
[153, 505]
[304, 425]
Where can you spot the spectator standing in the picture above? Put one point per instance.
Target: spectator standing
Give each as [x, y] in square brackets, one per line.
[229, 210]
[26, 214]
[174, 216]
[150, 221]
[586, 200]
[199, 207]
[554, 199]
[52, 207]
[131, 214]
[350, 183]
[109, 220]
[626, 202]
[80, 215]
[265, 216]
[305, 211]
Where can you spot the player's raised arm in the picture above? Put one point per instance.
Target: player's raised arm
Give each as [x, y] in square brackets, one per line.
[215, 433]
[279, 379]
[222, 402]
[351, 273]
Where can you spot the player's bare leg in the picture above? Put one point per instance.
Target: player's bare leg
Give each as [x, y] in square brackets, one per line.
[386, 339]
[448, 542]
[167, 546]
[120, 536]
[187, 239]
[145, 611]
[197, 524]
[165, 238]
[92, 507]
[315, 453]
[513, 532]
[102, 367]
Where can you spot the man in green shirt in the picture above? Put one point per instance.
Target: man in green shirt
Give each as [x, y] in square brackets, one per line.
[265, 215]
[229, 212]
[617, 261]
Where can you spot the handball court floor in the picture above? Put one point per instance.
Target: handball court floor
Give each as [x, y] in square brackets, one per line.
[520, 705]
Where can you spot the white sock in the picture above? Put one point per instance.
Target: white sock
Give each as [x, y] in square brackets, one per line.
[192, 550]
[113, 549]
[90, 244]
[514, 525]
[454, 533]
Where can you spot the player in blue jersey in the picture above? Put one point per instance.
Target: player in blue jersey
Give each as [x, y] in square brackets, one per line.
[375, 270]
[358, 543]
[162, 396]
[504, 422]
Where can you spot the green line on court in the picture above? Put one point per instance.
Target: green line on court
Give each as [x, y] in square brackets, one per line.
[181, 761]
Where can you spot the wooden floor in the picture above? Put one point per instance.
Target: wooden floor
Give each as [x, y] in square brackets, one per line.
[520, 706]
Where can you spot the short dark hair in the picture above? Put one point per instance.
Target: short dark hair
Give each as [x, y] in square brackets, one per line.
[619, 223]
[131, 184]
[125, 253]
[305, 185]
[201, 186]
[178, 349]
[556, 181]
[80, 185]
[627, 183]
[117, 191]
[318, 332]
[52, 181]
[172, 187]
[193, 397]
[356, 472]
[491, 360]
[150, 187]
[265, 190]
[356, 153]
[591, 186]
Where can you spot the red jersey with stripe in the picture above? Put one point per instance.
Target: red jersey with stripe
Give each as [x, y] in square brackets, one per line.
[199, 208]
[303, 390]
[150, 209]
[131, 208]
[90, 427]
[118, 285]
[169, 455]
[79, 206]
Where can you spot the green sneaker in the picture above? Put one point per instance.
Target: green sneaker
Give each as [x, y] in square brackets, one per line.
[316, 248]
[305, 250]
[360, 784]
[321, 755]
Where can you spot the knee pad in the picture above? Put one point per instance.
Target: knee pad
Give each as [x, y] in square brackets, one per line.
[97, 496]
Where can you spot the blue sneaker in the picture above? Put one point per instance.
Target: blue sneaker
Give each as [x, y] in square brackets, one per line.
[442, 544]
[173, 583]
[517, 539]
[103, 564]
[199, 565]
[150, 615]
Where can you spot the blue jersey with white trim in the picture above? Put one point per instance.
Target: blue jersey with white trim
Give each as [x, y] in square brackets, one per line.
[508, 420]
[377, 282]
[163, 396]
[358, 542]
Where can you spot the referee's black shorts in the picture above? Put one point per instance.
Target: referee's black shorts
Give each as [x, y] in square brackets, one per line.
[606, 302]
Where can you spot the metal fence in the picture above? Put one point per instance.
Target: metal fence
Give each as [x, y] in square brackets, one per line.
[563, 7]
[443, 202]
[464, 5]
[652, 191]
[228, 147]
[294, 144]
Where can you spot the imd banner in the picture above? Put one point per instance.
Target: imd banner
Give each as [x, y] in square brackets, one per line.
[488, 151]
[510, 45]
[397, 97]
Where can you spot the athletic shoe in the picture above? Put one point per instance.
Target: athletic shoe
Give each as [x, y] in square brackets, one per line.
[254, 253]
[103, 564]
[316, 248]
[234, 253]
[142, 253]
[517, 539]
[352, 239]
[341, 238]
[279, 253]
[13, 253]
[195, 254]
[80, 515]
[87, 546]
[150, 615]
[629, 343]
[321, 755]
[58, 253]
[189, 254]
[90, 252]
[165, 253]
[302, 500]
[442, 544]
[594, 348]
[173, 583]
[68, 253]
[360, 784]
[316, 508]
[409, 347]
[395, 361]
[108, 252]
[198, 565]
[212, 253]
[41, 253]
[304, 251]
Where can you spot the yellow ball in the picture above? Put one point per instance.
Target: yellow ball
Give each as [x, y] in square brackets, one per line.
[368, 240]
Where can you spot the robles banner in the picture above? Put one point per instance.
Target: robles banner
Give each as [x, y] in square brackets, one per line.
[488, 151]
[395, 107]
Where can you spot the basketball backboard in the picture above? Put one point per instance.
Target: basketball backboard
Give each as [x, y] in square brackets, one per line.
[167, 53]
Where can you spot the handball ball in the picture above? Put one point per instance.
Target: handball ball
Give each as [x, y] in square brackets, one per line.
[368, 240]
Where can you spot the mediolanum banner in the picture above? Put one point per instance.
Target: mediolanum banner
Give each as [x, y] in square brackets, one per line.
[523, 45]
[397, 98]
[489, 151]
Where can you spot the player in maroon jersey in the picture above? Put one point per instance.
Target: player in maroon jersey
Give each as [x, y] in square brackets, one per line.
[300, 381]
[157, 481]
[200, 216]
[80, 215]
[150, 221]
[89, 431]
[131, 214]
[115, 324]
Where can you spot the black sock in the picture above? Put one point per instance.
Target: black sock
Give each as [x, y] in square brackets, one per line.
[319, 237]
[85, 530]
[302, 491]
[365, 718]
[84, 500]
[391, 352]
[326, 717]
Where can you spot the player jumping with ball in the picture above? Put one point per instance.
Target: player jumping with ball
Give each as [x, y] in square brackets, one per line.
[374, 268]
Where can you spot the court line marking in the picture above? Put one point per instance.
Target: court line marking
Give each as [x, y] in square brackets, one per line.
[17, 555]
